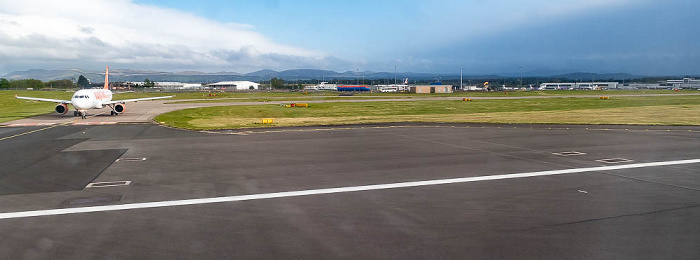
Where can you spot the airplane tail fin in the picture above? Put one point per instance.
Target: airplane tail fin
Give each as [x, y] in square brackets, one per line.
[106, 78]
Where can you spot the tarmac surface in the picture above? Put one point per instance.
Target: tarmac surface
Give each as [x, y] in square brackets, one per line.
[234, 194]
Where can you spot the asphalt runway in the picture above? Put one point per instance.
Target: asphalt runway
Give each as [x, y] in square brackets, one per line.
[406, 191]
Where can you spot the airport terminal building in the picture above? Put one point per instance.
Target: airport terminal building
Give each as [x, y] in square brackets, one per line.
[322, 86]
[580, 85]
[685, 83]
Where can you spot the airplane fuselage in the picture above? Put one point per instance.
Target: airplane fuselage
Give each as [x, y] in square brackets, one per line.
[85, 99]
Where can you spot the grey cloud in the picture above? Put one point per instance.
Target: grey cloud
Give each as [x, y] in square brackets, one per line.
[39, 51]
[11, 22]
[248, 58]
[245, 53]
[86, 29]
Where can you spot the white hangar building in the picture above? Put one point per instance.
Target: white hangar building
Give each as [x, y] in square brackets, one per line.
[237, 85]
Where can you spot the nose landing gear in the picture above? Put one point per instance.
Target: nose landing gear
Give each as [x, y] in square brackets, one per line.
[82, 115]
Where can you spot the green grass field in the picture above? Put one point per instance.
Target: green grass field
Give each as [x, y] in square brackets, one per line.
[664, 110]
[303, 98]
[12, 109]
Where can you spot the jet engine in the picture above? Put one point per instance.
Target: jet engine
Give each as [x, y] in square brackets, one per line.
[62, 109]
[119, 108]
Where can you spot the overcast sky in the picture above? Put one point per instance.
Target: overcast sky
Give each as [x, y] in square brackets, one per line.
[483, 36]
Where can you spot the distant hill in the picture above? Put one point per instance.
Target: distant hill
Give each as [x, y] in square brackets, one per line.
[47, 75]
[124, 75]
[262, 75]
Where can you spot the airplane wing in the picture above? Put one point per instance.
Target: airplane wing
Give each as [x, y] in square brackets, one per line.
[45, 99]
[136, 99]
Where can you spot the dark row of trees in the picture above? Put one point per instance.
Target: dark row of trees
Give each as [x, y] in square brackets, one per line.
[61, 84]
[278, 83]
[23, 83]
[36, 84]
[148, 83]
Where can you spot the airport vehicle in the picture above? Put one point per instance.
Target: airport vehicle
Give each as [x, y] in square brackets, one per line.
[86, 99]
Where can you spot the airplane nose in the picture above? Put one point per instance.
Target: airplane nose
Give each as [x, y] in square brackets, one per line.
[79, 104]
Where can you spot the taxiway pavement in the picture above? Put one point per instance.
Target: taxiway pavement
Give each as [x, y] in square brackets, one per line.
[627, 213]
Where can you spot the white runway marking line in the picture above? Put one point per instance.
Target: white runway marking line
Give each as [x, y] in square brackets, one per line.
[572, 153]
[614, 160]
[107, 184]
[126, 159]
[158, 204]
[26, 133]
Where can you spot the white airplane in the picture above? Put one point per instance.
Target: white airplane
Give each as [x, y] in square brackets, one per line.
[86, 99]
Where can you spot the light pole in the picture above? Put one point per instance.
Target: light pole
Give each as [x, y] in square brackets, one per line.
[461, 86]
[520, 69]
[394, 75]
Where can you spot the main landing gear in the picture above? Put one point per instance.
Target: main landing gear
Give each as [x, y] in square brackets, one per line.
[113, 112]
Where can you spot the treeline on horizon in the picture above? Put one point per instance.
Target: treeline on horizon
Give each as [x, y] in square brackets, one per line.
[280, 83]
[36, 84]
[54, 84]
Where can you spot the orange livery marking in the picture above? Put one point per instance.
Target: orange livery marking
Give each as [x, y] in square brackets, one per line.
[102, 95]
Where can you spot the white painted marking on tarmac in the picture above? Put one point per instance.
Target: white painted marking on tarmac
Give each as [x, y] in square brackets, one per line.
[26, 133]
[172, 203]
[95, 123]
[138, 159]
[614, 160]
[572, 153]
[31, 124]
[107, 184]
